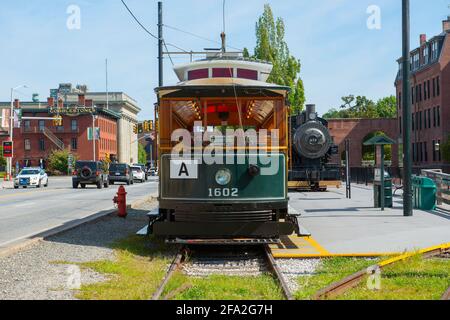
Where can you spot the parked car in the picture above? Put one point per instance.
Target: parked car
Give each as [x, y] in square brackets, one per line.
[89, 172]
[120, 172]
[143, 168]
[36, 177]
[138, 173]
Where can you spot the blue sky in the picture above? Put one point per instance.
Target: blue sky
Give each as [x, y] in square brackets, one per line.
[339, 54]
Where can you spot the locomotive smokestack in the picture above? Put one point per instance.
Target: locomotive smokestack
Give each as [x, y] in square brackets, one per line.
[310, 108]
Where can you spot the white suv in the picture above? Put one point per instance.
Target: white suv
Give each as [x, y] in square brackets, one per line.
[31, 177]
[138, 173]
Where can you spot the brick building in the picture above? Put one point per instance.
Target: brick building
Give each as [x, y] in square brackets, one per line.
[430, 98]
[36, 138]
[114, 115]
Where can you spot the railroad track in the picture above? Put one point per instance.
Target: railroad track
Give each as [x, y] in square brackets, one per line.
[344, 285]
[204, 261]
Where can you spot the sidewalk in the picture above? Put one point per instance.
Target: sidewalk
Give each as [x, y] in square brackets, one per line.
[6, 184]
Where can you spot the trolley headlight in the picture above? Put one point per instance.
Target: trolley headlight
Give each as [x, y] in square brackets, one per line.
[223, 177]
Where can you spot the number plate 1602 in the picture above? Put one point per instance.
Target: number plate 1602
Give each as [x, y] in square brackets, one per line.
[223, 192]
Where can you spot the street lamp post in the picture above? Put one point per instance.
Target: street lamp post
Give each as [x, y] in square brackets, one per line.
[407, 117]
[11, 127]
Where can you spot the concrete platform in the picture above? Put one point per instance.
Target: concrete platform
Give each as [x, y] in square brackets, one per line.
[341, 226]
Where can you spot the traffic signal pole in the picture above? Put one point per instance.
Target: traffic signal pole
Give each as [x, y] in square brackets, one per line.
[407, 117]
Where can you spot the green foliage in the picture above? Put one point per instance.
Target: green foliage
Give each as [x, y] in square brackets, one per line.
[368, 152]
[271, 46]
[362, 107]
[142, 154]
[58, 161]
[2, 160]
[445, 150]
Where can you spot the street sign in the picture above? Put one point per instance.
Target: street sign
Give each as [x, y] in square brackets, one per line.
[7, 149]
[70, 161]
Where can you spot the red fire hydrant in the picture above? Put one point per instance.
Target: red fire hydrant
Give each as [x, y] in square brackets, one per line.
[121, 200]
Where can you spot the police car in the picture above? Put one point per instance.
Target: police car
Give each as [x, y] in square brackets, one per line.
[28, 177]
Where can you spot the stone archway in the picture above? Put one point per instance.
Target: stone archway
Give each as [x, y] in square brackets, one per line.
[356, 130]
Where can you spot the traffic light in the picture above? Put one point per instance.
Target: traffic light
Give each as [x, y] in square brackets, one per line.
[157, 125]
[57, 121]
[145, 126]
[135, 129]
[150, 123]
[140, 128]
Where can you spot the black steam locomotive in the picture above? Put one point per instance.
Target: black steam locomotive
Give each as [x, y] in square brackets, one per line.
[311, 150]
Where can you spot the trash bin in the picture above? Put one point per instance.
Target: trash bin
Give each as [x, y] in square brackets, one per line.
[388, 203]
[424, 193]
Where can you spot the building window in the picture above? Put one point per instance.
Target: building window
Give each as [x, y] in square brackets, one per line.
[61, 127]
[438, 113]
[41, 125]
[412, 95]
[420, 92]
[425, 119]
[74, 125]
[420, 120]
[438, 86]
[434, 87]
[434, 50]
[400, 124]
[434, 150]
[415, 61]
[41, 144]
[27, 125]
[426, 151]
[413, 125]
[434, 117]
[428, 89]
[27, 145]
[439, 151]
[74, 144]
[426, 56]
[429, 118]
[425, 95]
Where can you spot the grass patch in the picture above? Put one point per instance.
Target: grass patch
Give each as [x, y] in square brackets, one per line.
[218, 287]
[135, 274]
[412, 279]
[329, 271]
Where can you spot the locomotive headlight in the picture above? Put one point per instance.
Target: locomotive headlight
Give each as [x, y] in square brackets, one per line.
[223, 177]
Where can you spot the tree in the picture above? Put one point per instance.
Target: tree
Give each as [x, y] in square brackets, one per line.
[58, 161]
[362, 107]
[387, 107]
[271, 46]
[142, 154]
[2, 160]
[445, 149]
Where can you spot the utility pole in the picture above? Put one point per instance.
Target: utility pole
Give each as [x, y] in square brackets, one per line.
[160, 45]
[160, 68]
[107, 91]
[407, 117]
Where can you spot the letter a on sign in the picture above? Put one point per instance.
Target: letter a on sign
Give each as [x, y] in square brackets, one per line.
[183, 169]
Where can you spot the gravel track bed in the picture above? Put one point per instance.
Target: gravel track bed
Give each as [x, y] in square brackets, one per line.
[44, 272]
[294, 268]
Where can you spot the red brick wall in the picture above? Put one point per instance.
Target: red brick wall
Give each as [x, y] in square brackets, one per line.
[356, 130]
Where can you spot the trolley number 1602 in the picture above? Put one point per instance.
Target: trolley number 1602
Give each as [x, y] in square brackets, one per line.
[223, 192]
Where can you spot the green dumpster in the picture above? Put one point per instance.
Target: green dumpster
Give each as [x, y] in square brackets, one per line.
[424, 193]
[388, 195]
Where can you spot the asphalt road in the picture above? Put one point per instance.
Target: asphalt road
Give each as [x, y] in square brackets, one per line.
[27, 212]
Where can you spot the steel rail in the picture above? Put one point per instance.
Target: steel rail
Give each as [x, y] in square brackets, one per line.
[277, 272]
[349, 282]
[177, 261]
